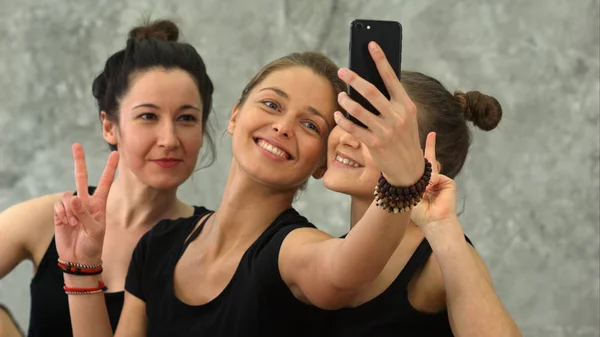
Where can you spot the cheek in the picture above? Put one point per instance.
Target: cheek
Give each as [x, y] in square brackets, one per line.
[191, 138]
[333, 140]
[135, 140]
[371, 172]
[314, 149]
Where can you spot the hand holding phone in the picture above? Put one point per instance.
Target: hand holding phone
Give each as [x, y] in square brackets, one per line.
[391, 135]
[388, 35]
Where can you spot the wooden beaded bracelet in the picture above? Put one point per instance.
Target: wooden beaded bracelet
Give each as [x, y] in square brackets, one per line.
[401, 199]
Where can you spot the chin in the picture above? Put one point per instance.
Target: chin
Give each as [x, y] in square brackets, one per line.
[347, 186]
[165, 184]
[275, 180]
[336, 184]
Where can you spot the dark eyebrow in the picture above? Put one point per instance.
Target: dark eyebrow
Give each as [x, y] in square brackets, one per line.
[154, 106]
[311, 109]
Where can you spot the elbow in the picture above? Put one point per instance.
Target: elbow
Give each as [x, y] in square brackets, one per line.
[334, 298]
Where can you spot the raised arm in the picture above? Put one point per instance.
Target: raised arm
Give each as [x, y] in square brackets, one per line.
[474, 309]
[79, 230]
[329, 272]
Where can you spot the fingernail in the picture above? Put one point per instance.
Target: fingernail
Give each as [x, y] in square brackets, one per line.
[73, 221]
[337, 115]
[373, 46]
[343, 72]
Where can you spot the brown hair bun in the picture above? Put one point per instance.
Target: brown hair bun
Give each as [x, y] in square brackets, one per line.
[160, 29]
[483, 110]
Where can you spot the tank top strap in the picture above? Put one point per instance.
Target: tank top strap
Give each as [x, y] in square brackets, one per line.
[196, 232]
[416, 261]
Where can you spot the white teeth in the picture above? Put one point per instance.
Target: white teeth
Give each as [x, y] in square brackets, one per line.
[346, 161]
[273, 149]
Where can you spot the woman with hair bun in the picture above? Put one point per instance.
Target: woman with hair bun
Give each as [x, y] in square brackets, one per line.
[154, 98]
[435, 284]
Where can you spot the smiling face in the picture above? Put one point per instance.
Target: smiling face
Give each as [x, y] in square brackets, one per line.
[280, 130]
[159, 134]
[351, 169]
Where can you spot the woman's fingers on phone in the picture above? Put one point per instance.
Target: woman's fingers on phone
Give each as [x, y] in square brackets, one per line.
[359, 112]
[387, 73]
[366, 89]
[349, 126]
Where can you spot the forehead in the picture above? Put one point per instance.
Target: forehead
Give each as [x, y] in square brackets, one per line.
[174, 85]
[303, 88]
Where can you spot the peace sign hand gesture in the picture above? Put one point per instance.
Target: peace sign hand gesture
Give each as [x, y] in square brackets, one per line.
[80, 221]
[439, 202]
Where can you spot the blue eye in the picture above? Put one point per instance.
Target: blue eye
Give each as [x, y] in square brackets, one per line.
[271, 105]
[312, 126]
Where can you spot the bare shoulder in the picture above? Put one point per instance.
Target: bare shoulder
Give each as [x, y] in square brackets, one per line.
[30, 224]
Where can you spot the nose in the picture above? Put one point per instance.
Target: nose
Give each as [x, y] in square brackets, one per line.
[167, 135]
[347, 139]
[283, 128]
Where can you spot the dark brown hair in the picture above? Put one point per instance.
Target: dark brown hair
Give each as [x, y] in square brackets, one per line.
[153, 44]
[447, 114]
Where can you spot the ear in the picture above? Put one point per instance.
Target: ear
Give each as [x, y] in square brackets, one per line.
[233, 119]
[109, 129]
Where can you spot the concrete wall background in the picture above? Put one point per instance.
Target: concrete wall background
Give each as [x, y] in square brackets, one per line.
[531, 187]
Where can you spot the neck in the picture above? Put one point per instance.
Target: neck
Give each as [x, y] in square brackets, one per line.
[133, 204]
[246, 210]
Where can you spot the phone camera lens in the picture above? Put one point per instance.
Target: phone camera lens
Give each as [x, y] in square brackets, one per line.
[359, 26]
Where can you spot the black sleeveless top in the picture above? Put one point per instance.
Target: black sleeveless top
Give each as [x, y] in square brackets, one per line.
[256, 302]
[390, 313]
[49, 313]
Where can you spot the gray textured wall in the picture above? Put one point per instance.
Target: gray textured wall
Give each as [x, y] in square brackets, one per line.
[531, 187]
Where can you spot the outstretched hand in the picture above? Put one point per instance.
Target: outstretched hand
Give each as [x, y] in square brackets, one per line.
[80, 221]
[439, 202]
[392, 136]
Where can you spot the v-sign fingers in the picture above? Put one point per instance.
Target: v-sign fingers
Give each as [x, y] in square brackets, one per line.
[108, 176]
[81, 175]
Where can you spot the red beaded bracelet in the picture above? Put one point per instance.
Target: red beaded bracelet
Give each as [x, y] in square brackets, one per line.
[79, 269]
[85, 291]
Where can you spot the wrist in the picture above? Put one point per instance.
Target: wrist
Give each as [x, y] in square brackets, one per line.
[408, 177]
[443, 232]
[78, 281]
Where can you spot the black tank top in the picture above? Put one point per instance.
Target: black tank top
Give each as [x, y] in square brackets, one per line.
[256, 302]
[390, 313]
[49, 313]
